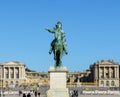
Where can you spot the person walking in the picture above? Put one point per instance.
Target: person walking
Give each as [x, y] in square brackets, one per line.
[35, 94]
[39, 94]
[28, 95]
[24, 95]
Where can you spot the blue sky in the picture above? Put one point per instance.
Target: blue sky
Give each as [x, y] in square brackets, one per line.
[92, 30]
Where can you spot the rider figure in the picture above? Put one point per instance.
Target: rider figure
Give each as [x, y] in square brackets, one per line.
[64, 43]
[58, 34]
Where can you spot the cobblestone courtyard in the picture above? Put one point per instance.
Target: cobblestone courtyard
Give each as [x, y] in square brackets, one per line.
[78, 96]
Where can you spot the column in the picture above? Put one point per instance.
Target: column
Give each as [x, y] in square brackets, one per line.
[4, 73]
[114, 72]
[109, 72]
[104, 72]
[117, 72]
[19, 72]
[95, 72]
[9, 72]
[22, 72]
[98, 72]
[14, 72]
[23, 69]
[1, 72]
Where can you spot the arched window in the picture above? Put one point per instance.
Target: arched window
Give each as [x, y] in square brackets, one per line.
[107, 83]
[11, 82]
[112, 83]
[6, 82]
[16, 83]
[102, 82]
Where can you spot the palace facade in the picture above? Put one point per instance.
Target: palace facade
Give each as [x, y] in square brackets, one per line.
[101, 74]
[12, 74]
[105, 73]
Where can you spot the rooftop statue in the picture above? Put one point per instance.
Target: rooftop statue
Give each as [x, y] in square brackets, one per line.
[58, 45]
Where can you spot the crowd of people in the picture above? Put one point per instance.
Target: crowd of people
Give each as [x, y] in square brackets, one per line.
[36, 94]
[73, 93]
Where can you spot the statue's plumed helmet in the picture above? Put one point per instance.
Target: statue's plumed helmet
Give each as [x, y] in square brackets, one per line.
[59, 23]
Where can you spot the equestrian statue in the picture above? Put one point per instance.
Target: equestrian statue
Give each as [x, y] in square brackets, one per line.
[58, 45]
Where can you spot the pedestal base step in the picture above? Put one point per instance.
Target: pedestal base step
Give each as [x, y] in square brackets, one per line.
[57, 93]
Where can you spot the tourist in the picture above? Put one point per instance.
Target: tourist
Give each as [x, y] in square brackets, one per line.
[20, 92]
[24, 95]
[35, 93]
[28, 95]
[75, 93]
[39, 94]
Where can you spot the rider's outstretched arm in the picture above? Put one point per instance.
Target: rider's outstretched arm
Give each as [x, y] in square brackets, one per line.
[50, 30]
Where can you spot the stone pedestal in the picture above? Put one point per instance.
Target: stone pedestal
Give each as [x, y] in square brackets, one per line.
[58, 82]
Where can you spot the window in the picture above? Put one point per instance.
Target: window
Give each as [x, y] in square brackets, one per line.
[11, 82]
[7, 76]
[102, 75]
[102, 83]
[6, 83]
[112, 83]
[33, 74]
[107, 76]
[112, 75]
[12, 75]
[16, 83]
[107, 83]
[17, 75]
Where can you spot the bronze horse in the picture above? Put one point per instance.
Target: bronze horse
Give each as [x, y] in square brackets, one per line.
[58, 51]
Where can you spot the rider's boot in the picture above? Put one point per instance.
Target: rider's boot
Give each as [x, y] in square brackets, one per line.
[65, 50]
[50, 51]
